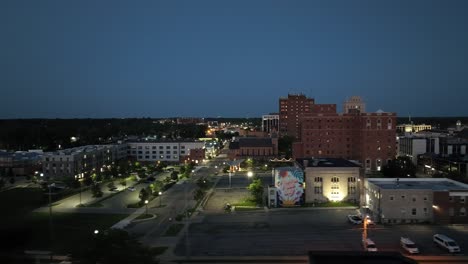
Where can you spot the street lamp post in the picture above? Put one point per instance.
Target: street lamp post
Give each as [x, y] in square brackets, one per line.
[146, 203]
[365, 221]
[273, 176]
[160, 198]
[250, 174]
[51, 230]
[230, 179]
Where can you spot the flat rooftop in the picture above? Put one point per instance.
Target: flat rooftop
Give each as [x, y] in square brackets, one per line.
[441, 184]
[326, 162]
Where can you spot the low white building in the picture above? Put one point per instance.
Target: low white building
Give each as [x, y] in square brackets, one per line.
[161, 150]
[331, 179]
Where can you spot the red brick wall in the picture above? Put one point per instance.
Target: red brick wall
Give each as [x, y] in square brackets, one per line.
[442, 211]
[348, 136]
[290, 111]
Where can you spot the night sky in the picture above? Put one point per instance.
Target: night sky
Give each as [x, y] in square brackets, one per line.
[85, 59]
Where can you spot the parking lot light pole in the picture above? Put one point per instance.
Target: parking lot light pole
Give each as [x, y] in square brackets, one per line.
[160, 198]
[230, 174]
[146, 203]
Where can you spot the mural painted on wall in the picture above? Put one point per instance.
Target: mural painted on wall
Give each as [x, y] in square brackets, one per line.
[289, 182]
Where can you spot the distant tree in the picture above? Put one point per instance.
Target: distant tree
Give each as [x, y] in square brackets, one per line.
[87, 180]
[256, 190]
[96, 190]
[182, 169]
[401, 167]
[199, 194]
[156, 186]
[144, 195]
[174, 175]
[111, 185]
[123, 182]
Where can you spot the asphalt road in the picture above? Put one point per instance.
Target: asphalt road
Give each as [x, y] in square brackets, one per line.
[240, 180]
[295, 232]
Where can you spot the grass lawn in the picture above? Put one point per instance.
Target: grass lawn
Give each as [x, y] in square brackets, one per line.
[17, 203]
[70, 230]
[174, 229]
[330, 204]
[245, 202]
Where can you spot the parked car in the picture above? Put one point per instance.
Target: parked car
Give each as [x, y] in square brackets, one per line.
[131, 188]
[446, 242]
[408, 245]
[369, 245]
[355, 219]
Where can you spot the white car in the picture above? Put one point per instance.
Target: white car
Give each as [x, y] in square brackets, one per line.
[132, 189]
[446, 242]
[408, 245]
[369, 245]
[355, 219]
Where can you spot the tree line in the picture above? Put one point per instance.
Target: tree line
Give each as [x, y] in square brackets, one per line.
[48, 134]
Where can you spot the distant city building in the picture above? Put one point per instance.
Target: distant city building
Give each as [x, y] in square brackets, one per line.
[330, 179]
[415, 144]
[431, 164]
[412, 128]
[19, 163]
[162, 150]
[251, 147]
[291, 109]
[195, 155]
[369, 138]
[270, 123]
[74, 162]
[353, 104]
[421, 200]
[189, 120]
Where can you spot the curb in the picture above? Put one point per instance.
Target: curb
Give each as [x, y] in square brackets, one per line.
[144, 220]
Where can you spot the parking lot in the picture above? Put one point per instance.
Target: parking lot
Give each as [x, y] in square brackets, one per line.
[294, 232]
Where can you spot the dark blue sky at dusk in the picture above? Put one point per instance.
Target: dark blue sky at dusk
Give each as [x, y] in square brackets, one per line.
[85, 59]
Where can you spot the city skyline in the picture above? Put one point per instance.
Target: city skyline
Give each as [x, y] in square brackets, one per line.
[119, 59]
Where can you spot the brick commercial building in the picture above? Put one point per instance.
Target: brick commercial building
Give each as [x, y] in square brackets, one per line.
[291, 109]
[321, 131]
[260, 148]
[434, 200]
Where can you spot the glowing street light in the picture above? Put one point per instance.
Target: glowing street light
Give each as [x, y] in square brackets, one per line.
[96, 232]
[146, 203]
[249, 174]
[160, 198]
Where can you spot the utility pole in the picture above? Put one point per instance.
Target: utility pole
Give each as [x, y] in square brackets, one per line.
[187, 245]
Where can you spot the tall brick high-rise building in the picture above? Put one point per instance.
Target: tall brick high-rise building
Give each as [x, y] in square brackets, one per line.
[291, 109]
[323, 132]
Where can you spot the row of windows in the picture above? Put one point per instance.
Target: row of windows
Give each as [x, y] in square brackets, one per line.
[155, 152]
[403, 197]
[160, 147]
[461, 199]
[334, 179]
[156, 157]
